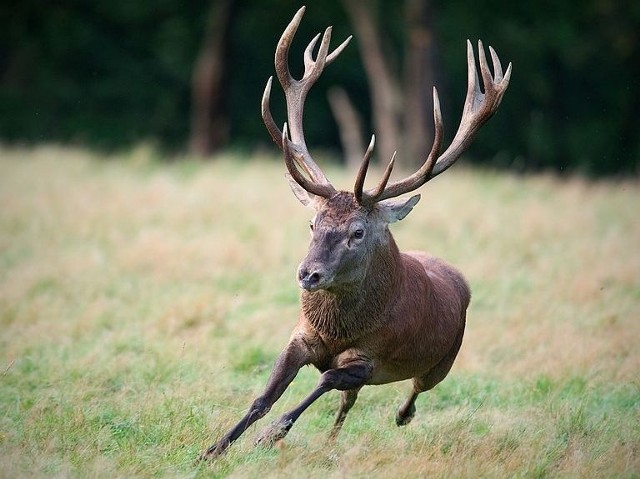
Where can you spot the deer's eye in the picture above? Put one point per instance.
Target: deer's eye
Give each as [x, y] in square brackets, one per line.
[358, 234]
[311, 226]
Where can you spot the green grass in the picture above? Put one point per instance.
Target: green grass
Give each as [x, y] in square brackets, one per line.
[143, 303]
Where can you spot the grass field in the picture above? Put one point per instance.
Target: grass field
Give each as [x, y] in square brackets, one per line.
[142, 304]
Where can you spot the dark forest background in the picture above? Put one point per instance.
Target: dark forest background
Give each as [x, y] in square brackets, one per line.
[109, 75]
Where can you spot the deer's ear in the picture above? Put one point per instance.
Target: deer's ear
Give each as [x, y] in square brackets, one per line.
[303, 195]
[396, 209]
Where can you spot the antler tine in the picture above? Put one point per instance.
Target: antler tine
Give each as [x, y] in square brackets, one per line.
[308, 54]
[487, 78]
[267, 117]
[362, 172]
[497, 66]
[478, 108]
[333, 55]
[438, 134]
[377, 193]
[282, 50]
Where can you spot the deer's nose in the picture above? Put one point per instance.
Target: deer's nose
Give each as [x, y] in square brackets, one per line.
[309, 278]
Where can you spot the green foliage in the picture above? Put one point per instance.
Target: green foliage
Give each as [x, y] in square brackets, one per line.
[113, 74]
[571, 102]
[95, 73]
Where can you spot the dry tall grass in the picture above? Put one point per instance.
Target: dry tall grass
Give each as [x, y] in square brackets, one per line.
[142, 304]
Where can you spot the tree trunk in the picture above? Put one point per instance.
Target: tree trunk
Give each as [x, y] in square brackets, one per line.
[402, 119]
[419, 80]
[209, 121]
[385, 95]
[349, 126]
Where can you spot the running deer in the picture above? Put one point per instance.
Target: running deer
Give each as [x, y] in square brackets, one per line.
[370, 314]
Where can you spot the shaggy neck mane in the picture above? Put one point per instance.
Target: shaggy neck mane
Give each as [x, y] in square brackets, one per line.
[350, 312]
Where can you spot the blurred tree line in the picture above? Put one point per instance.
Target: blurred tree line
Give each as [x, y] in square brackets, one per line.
[111, 74]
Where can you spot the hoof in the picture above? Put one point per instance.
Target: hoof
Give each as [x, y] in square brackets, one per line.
[404, 417]
[277, 431]
[403, 421]
[213, 452]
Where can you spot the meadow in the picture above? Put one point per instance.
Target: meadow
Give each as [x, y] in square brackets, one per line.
[143, 302]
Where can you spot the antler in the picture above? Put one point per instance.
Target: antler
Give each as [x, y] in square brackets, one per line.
[295, 94]
[478, 108]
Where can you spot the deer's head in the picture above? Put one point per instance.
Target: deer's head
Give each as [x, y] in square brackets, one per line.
[349, 228]
[345, 235]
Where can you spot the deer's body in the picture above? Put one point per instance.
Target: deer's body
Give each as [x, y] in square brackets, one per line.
[407, 321]
[415, 334]
[369, 313]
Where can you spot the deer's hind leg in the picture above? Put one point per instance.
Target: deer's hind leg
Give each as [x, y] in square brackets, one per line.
[408, 409]
[428, 381]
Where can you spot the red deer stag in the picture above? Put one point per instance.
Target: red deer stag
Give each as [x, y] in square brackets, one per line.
[370, 314]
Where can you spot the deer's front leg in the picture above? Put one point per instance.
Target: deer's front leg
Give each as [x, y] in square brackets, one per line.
[349, 377]
[294, 356]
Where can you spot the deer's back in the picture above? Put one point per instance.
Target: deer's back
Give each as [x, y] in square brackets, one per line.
[448, 282]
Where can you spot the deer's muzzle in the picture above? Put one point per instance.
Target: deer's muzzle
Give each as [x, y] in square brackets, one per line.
[312, 277]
